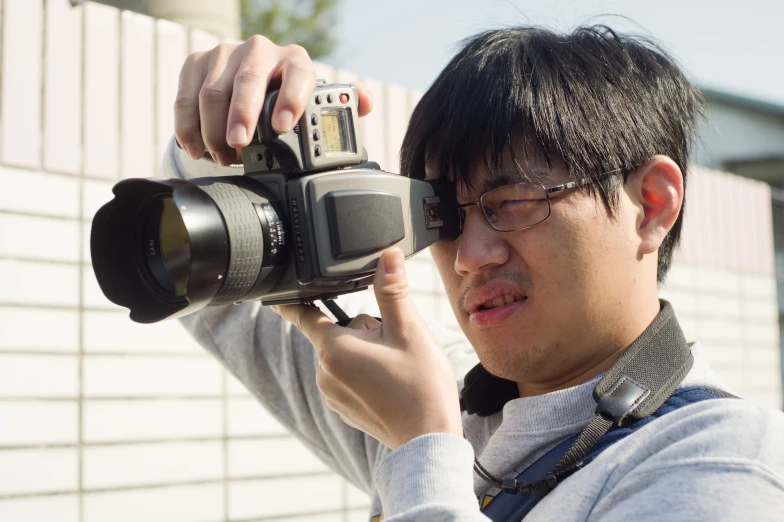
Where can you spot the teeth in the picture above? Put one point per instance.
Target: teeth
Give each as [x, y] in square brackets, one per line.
[500, 301]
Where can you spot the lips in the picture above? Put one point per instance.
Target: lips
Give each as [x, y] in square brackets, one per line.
[493, 294]
[494, 303]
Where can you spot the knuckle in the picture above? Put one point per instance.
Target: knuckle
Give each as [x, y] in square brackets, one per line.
[184, 102]
[305, 67]
[396, 289]
[213, 94]
[249, 75]
[297, 51]
[223, 49]
[191, 60]
[258, 42]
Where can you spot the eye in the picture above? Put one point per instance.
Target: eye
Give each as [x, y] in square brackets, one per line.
[491, 214]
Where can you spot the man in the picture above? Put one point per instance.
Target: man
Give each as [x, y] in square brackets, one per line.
[569, 154]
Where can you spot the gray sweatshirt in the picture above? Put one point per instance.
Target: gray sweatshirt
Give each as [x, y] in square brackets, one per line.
[717, 460]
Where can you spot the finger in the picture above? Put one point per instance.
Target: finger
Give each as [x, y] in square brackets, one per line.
[311, 321]
[187, 128]
[363, 322]
[214, 99]
[250, 86]
[364, 99]
[298, 76]
[390, 285]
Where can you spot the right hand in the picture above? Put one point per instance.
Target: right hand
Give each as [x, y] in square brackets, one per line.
[221, 93]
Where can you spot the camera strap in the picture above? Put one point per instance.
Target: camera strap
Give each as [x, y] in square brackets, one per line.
[633, 391]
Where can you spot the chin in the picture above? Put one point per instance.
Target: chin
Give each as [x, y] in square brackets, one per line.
[513, 361]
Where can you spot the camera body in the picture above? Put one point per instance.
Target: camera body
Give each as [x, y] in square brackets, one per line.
[308, 220]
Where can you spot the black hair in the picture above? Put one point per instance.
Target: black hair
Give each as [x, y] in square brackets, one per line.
[598, 100]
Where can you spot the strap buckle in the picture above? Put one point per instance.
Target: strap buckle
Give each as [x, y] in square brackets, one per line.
[538, 489]
[621, 399]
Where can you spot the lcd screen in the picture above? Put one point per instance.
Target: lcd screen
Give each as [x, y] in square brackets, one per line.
[338, 131]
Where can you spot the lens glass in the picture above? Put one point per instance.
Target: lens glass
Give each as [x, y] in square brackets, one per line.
[175, 246]
[167, 247]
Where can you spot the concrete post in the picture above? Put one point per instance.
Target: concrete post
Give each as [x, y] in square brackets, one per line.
[217, 16]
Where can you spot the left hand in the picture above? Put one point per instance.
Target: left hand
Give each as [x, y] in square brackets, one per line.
[391, 380]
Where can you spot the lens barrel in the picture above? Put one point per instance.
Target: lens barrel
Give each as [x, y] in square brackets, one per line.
[166, 248]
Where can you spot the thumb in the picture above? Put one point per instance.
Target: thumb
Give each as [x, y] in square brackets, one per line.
[391, 288]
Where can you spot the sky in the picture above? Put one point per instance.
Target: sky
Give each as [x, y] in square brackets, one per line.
[733, 46]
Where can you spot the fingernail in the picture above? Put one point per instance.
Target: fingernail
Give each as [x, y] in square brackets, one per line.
[284, 121]
[274, 308]
[238, 135]
[393, 264]
[191, 151]
[214, 157]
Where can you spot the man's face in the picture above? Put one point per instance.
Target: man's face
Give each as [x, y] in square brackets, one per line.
[540, 304]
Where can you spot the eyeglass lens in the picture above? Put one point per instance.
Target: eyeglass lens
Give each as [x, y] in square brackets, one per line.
[513, 207]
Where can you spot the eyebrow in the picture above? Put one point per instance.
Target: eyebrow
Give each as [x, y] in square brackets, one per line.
[510, 177]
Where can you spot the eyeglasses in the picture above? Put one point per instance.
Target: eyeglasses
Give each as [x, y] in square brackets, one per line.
[518, 206]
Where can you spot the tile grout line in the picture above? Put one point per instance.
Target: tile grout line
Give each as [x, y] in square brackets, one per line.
[146, 442]
[164, 485]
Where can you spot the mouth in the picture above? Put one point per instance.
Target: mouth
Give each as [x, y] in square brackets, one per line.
[500, 301]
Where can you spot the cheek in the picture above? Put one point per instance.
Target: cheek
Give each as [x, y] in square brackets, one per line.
[444, 258]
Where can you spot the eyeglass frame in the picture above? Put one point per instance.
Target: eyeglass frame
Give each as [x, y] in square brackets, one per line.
[547, 192]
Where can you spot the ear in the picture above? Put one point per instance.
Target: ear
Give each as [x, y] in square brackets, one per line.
[656, 188]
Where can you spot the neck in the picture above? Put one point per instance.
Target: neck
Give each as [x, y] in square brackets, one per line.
[603, 355]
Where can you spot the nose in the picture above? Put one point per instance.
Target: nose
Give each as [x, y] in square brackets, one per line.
[480, 246]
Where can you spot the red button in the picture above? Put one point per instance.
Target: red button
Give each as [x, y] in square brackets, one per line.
[344, 98]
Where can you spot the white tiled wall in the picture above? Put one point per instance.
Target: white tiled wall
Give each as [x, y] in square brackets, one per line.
[102, 419]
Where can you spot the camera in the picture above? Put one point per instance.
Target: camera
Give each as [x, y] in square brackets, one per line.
[307, 220]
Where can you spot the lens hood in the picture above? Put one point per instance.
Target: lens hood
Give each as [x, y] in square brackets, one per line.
[118, 248]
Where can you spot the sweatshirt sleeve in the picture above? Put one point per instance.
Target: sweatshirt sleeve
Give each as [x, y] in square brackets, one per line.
[276, 362]
[429, 478]
[723, 463]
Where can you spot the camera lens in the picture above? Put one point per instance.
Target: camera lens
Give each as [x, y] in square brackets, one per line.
[166, 246]
[170, 247]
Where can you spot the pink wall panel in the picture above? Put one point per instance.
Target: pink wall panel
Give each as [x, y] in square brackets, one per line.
[700, 215]
[374, 130]
[733, 221]
[101, 91]
[745, 199]
[137, 82]
[728, 223]
[763, 230]
[20, 139]
[63, 87]
[723, 232]
[767, 253]
[396, 112]
[172, 49]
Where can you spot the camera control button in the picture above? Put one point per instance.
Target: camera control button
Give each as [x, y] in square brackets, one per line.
[318, 99]
[317, 150]
[316, 135]
[343, 97]
[329, 98]
[313, 119]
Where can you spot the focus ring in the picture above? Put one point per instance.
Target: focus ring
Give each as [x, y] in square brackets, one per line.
[246, 246]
